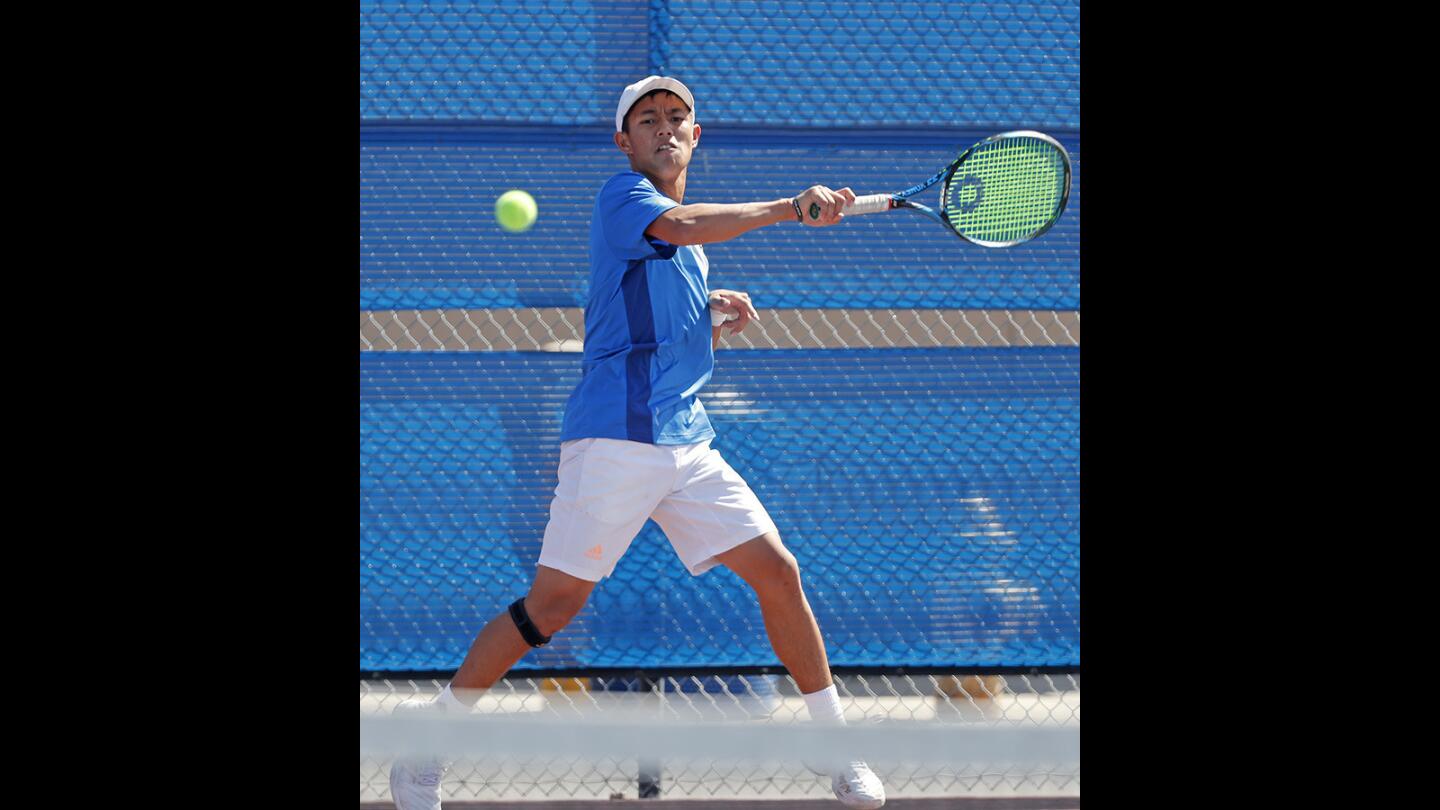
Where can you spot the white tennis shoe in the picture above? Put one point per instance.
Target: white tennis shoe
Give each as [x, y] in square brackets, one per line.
[858, 786]
[415, 783]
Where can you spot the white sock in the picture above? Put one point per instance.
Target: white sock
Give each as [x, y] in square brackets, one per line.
[824, 706]
[450, 702]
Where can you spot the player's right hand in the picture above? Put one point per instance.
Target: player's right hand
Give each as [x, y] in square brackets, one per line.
[828, 205]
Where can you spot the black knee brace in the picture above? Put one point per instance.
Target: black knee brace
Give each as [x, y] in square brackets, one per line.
[527, 628]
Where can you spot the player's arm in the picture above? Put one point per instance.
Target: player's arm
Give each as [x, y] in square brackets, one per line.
[704, 223]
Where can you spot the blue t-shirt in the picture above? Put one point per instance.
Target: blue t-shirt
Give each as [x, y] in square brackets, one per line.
[647, 326]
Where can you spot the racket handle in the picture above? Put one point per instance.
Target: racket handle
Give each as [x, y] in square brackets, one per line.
[869, 204]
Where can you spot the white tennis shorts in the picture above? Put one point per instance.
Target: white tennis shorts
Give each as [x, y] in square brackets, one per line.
[609, 487]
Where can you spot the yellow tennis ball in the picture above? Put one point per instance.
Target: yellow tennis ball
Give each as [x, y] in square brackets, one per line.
[515, 211]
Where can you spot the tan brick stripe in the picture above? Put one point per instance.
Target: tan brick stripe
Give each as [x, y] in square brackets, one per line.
[561, 329]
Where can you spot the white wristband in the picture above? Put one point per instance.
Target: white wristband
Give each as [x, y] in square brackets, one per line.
[718, 317]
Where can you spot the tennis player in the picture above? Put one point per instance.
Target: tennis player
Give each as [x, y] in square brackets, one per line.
[635, 443]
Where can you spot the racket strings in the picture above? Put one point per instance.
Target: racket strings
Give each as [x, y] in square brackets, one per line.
[1006, 191]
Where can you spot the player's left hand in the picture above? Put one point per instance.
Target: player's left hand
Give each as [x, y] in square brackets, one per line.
[734, 303]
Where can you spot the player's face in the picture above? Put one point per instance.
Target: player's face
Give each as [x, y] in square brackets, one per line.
[662, 135]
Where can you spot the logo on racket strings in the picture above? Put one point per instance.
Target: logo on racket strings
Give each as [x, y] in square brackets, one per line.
[968, 193]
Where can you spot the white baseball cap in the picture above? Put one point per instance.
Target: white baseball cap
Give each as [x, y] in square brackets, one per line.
[645, 85]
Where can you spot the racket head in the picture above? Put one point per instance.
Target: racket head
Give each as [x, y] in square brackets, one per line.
[1006, 189]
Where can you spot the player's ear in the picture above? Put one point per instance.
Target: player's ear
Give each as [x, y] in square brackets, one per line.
[623, 141]
[695, 134]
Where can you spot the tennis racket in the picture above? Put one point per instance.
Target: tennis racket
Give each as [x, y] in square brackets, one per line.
[1004, 190]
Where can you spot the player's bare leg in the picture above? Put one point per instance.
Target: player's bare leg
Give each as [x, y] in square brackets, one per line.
[554, 599]
[771, 570]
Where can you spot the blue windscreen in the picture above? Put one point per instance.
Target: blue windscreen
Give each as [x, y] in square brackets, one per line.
[531, 61]
[990, 64]
[428, 236]
[930, 495]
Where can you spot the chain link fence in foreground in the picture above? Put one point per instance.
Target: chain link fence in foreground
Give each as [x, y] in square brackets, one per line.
[1009, 701]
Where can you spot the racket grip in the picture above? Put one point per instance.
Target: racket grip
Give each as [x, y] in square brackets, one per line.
[868, 204]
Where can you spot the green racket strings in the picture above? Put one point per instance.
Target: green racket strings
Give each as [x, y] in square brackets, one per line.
[1007, 190]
